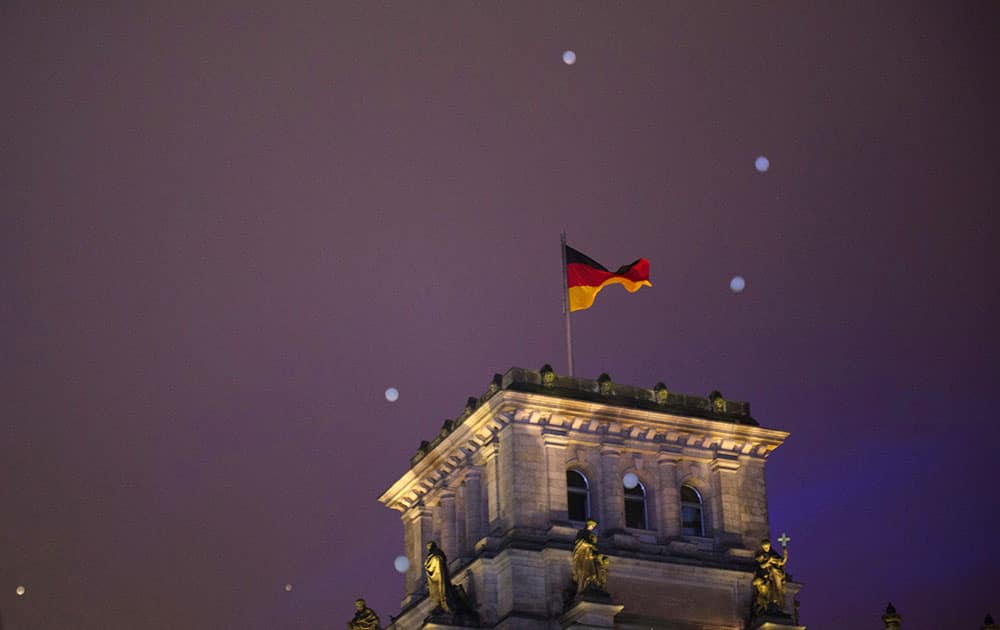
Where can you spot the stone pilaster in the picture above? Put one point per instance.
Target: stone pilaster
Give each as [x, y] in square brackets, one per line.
[491, 461]
[474, 524]
[612, 490]
[670, 496]
[446, 525]
[555, 465]
[461, 544]
[410, 535]
[525, 503]
[753, 493]
[725, 482]
[418, 526]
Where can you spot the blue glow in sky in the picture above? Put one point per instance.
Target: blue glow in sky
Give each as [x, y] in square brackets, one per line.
[401, 564]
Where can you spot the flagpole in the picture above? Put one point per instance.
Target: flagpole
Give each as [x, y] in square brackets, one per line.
[565, 293]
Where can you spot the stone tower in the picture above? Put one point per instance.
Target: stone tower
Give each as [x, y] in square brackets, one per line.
[505, 487]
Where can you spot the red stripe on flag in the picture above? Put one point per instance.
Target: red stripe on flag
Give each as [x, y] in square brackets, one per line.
[581, 275]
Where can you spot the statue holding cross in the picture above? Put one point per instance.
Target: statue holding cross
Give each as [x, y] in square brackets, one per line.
[769, 578]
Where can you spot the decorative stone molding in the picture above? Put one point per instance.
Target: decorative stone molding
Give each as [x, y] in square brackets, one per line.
[579, 422]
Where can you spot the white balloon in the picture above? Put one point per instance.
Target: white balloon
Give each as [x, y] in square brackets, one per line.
[630, 480]
[737, 284]
[569, 57]
[19, 590]
[401, 564]
[392, 394]
[288, 588]
[761, 164]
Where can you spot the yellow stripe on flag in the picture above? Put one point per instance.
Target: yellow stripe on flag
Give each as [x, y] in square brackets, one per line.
[582, 297]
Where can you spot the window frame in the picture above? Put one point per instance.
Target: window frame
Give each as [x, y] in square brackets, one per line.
[634, 499]
[701, 510]
[576, 490]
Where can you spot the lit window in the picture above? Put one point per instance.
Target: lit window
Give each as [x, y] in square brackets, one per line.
[577, 495]
[635, 507]
[692, 523]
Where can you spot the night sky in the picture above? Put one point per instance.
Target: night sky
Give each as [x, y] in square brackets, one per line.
[226, 230]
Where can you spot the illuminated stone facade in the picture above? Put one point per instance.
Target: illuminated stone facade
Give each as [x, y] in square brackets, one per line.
[491, 490]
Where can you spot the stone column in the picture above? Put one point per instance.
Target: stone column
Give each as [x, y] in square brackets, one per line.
[446, 521]
[613, 492]
[474, 525]
[670, 495]
[555, 464]
[418, 525]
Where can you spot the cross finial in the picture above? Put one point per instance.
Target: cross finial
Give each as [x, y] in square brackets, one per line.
[784, 540]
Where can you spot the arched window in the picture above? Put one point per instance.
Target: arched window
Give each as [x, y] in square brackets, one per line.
[692, 522]
[577, 495]
[635, 507]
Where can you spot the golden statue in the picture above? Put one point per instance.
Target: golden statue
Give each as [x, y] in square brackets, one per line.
[364, 619]
[438, 581]
[769, 579]
[590, 568]
[602, 572]
[450, 601]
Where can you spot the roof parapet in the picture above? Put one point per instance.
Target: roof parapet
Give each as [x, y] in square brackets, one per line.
[601, 390]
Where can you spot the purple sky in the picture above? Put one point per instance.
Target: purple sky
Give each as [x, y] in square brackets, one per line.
[225, 231]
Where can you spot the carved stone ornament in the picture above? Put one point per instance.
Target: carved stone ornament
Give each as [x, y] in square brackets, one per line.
[605, 385]
[470, 405]
[718, 402]
[548, 375]
[446, 428]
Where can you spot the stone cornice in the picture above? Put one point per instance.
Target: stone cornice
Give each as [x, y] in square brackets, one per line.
[575, 421]
[627, 424]
[454, 449]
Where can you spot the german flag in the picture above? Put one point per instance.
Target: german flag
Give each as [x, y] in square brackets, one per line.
[585, 277]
